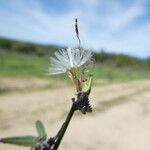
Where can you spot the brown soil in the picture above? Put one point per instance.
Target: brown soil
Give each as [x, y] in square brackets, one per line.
[120, 118]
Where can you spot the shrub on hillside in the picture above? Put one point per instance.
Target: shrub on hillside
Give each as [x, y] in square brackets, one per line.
[5, 44]
[30, 48]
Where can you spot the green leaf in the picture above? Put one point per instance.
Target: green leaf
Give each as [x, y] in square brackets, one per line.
[87, 85]
[41, 130]
[29, 141]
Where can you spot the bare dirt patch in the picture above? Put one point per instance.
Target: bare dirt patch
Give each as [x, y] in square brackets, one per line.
[122, 126]
[14, 84]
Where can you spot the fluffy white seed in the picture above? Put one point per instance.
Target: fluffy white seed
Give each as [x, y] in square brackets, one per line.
[66, 59]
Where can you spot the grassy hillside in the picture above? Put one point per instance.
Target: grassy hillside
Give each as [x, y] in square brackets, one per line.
[26, 47]
[16, 64]
[26, 59]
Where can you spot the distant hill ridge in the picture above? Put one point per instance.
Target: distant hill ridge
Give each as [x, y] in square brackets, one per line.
[119, 60]
[26, 47]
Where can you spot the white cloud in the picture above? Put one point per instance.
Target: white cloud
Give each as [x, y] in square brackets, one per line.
[122, 18]
[102, 24]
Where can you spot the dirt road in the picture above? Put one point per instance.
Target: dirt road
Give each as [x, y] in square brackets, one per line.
[120, 120]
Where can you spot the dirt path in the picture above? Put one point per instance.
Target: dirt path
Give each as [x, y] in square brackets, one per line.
[120, 120]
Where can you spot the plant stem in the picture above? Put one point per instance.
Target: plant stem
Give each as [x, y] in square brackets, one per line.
[64, 126]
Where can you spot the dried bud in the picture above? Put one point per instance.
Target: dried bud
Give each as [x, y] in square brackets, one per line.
[77, 30]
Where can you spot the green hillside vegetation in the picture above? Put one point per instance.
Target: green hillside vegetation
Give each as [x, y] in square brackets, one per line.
[26, 47]
[27, 59]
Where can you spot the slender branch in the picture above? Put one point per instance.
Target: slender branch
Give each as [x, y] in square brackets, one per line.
[82, 104]
[63, 129]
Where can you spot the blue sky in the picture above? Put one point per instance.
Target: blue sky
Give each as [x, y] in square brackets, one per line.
[115, 25]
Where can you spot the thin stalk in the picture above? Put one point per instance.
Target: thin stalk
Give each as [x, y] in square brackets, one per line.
[64, 126]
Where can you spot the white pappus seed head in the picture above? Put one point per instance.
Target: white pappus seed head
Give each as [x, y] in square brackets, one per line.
[66, 59]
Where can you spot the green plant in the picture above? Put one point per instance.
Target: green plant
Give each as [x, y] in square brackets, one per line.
[73, 62]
